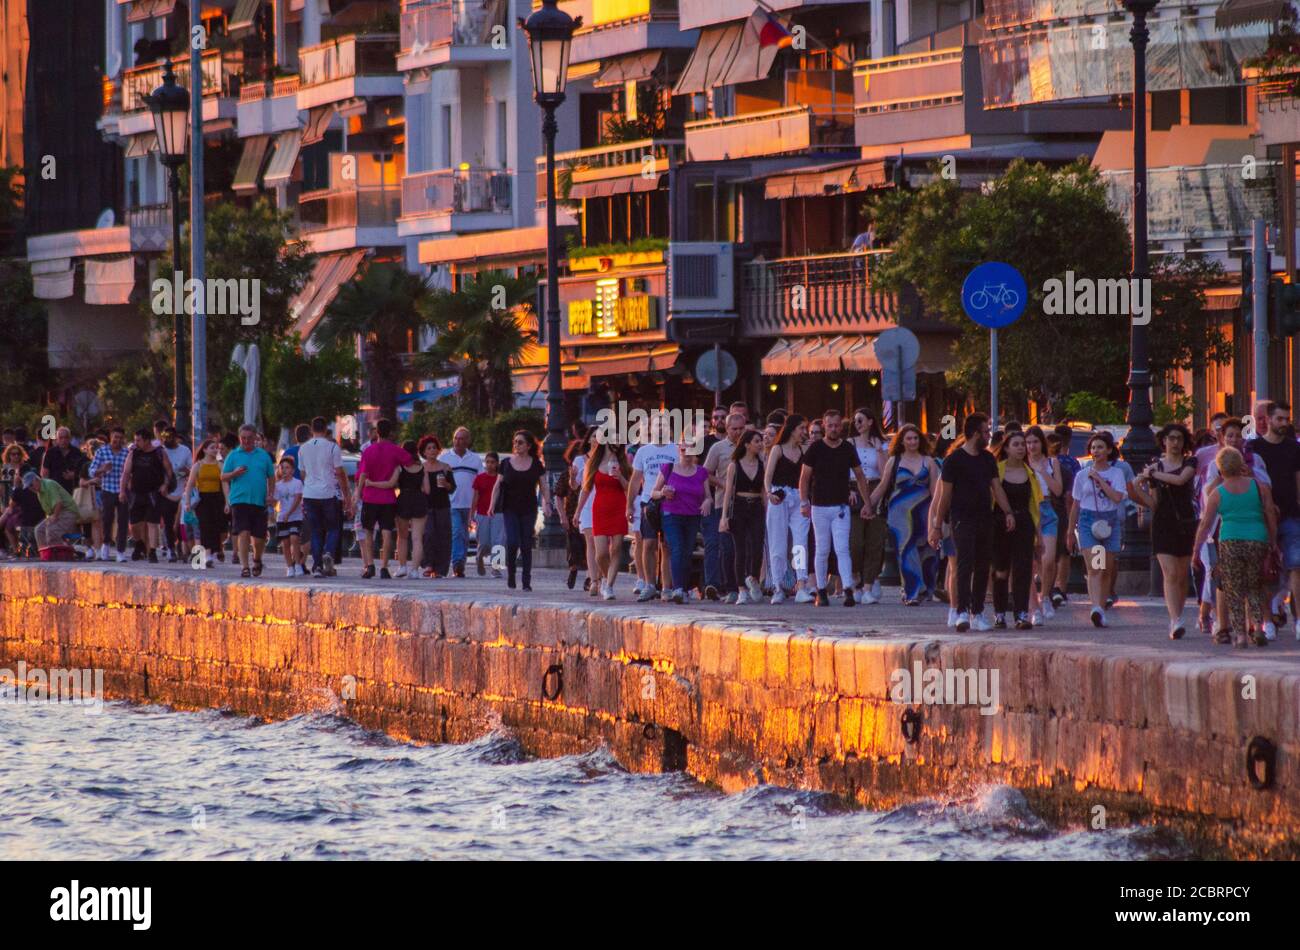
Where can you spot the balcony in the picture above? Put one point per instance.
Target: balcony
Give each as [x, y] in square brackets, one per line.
[435, 32]
[697, 14]
[1277, 96]
[339, 218]
[268, 107]
[456, 199]
[221, 90]
[639, 164]
[613, 28]
[348, 67]
[1201, 202]
[818, 294]
[786, 131]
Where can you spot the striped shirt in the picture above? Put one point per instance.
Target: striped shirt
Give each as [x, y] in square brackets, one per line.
[111, 480]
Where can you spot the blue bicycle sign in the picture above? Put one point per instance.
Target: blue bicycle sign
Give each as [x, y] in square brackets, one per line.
[994, 294]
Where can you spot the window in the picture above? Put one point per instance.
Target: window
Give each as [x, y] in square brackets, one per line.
[445, 156]
[1221, 106]
[1165, 109]
[503, 134]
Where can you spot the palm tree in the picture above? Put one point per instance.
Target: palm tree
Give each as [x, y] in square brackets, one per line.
[479, 337]
[385, 306]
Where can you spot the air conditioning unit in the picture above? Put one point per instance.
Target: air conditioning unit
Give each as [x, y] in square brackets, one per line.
[701, 278]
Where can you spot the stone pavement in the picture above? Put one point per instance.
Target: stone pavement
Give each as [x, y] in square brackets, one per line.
[1134, 621]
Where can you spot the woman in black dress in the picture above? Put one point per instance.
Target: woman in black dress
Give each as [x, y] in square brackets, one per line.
[412, 509]
[436, 482]
[515, 496]
[1166, 487]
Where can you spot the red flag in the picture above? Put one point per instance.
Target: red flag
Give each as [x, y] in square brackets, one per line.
[772, 31]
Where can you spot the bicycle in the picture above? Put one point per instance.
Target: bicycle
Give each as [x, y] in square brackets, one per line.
[994, 293]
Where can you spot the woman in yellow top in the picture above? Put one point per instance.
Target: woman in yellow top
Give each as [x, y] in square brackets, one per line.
[1014, 550]
[205, 478]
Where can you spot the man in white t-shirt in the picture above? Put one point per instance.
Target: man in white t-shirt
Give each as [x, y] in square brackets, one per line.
[324, 482]
[465, 467]
[649, 460]
[169, 502]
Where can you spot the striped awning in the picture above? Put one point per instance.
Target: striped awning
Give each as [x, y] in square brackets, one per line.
[714, 51]
[1243, 12]
[242, 19]
[280, 168]
[141, 145]
[330, 273]
[250, 163]
[607, 187]
[148, 9]
[631, 68]
[820, 354]
[318, 121]
[110, 282]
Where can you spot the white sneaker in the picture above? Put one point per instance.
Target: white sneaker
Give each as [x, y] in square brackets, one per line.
[981, 623]
[289, 571]
[608, 592]
[1036, 618]
[804, 596]
[755, 589]
[1048, 610]
[679, 596]
[1098, 617]
[871, 595]
[1270, 631]
[731, 597]
[402, 571]
[778, 596]
[963, 622]
[742, 598]
[122, 558]
[104, 554]
[300, 570]
[636, 588]
[90, 554]
[952, 616]
[875, 591]
[1297, 628]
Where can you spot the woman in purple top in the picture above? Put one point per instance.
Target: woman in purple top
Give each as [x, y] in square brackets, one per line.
[681, 489]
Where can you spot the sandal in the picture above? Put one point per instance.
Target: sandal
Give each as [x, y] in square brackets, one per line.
[1223, 636]
[245, 573]
[257, 568]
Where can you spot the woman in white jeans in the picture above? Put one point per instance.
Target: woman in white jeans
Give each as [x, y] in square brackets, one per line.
[784, 519]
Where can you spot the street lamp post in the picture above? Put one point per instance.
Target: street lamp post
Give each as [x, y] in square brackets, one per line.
[1139, 447]
[1140, 443]
[550, 33]
[170, 105]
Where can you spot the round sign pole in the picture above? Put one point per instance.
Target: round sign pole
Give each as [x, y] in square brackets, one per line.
[993, 377]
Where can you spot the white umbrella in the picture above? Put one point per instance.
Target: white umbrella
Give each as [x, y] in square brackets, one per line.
[249, 360]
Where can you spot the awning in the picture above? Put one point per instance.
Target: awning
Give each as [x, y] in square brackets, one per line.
[821, 180]
[250, 163]
[632, 68]
[141, 145]
[318, 120]
[753, 61]
[521, 242]
[714, 51]
[242, 19]
[1242, 12]
[606, 187]
[52, 279]
[597, 362]
[854, 353]
[280, 169]
[148, 9]
[110, 282]
[331, 272]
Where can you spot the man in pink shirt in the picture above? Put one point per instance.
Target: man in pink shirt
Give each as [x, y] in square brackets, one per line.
[376, 476]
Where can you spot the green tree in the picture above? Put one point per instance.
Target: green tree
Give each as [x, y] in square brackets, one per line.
[299, 385]
[139, 391]
[1042, 221]
[1084, 406]
[383, 306]
[255, 243]
[479, 338]
[25, 377]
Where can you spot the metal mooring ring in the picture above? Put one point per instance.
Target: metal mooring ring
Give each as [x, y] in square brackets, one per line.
[650, 730]
[557, 671]
[911, 724]
[1262, 750]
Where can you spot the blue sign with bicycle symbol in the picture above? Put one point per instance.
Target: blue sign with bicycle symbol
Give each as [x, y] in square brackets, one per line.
[994, 295]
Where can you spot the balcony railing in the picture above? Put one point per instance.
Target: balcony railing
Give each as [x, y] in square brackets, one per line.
[1200, 201]
[346, 57]
[149, 216]
[374, 206]
[822, 292]
[143, 80]
[644, 156]
[256, 91]
[773, 132]
[457, 190]
[455, 23]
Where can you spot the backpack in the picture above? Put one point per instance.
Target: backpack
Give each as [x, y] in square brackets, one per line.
[147, 474]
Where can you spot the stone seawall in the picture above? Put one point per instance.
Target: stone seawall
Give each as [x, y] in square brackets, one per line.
[1141, 733]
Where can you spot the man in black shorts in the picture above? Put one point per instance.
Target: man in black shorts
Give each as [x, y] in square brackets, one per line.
[144, 480]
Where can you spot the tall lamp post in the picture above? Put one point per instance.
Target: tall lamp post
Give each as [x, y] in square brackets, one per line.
[550, 33]
[170, 105]
[1140, 444]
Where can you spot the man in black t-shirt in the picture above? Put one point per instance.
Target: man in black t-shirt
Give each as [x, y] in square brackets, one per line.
[970, 488]
[1281, 456]
[144, 480]
[827, 464]
[63, 462]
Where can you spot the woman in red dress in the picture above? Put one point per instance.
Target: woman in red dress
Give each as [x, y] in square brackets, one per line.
[606, 475]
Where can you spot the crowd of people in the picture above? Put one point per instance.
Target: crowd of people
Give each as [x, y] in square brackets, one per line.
[786, 507]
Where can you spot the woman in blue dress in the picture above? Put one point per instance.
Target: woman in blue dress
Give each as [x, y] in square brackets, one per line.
[907, 483]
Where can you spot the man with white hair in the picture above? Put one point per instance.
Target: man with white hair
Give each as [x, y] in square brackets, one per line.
[60, 510]
[465, 467]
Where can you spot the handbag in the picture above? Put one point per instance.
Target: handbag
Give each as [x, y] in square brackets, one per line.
[87, 502]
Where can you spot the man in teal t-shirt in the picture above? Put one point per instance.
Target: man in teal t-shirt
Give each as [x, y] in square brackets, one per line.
[250, 471]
